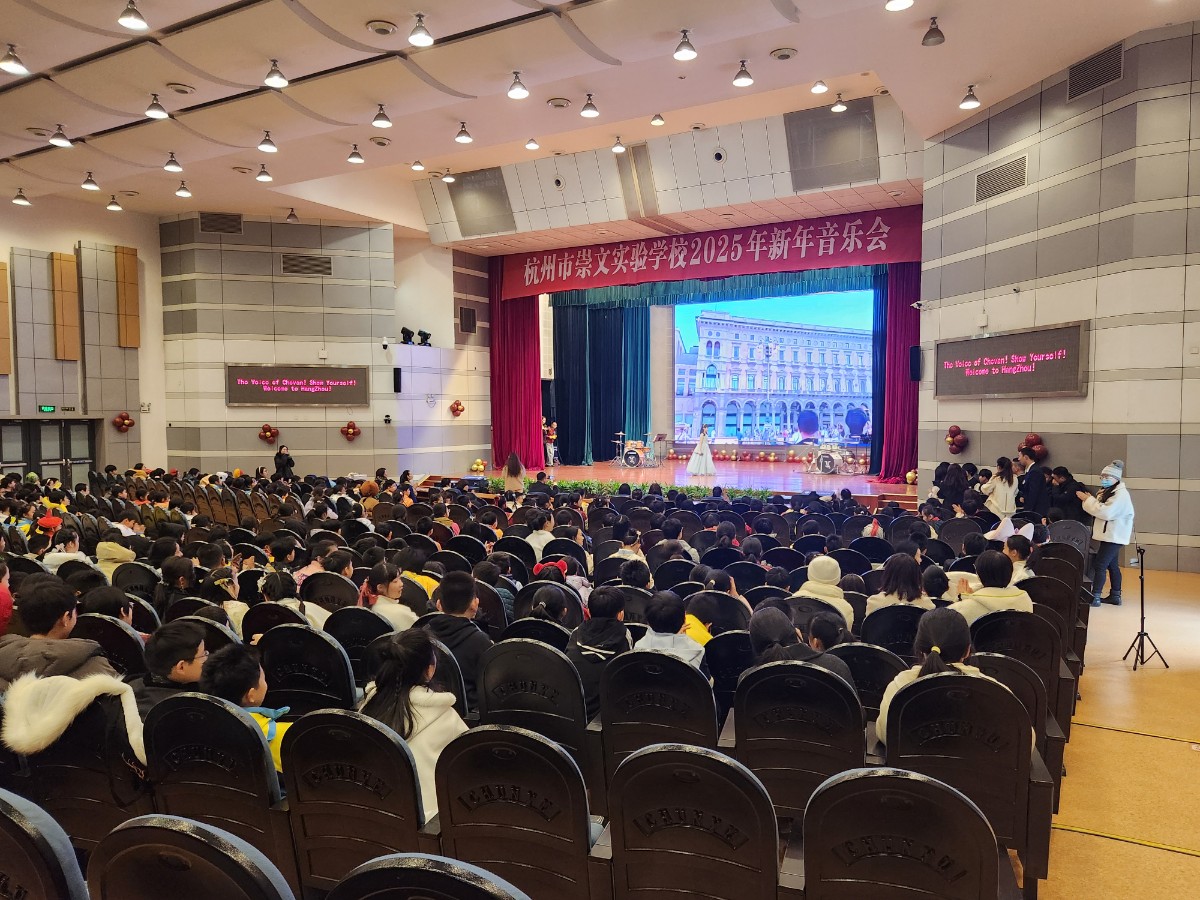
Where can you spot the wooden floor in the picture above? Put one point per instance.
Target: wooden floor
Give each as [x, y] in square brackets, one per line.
[1129, 821]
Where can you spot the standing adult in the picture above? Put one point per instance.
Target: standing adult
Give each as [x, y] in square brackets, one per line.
[1112, 530]
[547, 443]
[1064, 488]
[1035, 492]
[1001, 490]
[284, 464]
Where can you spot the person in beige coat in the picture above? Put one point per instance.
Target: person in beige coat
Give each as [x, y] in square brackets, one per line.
[110, 553]
[995, 571]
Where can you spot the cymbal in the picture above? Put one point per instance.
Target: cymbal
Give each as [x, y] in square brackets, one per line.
[620, 434]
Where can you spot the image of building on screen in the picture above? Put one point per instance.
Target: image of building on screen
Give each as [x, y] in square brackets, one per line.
[758, 381]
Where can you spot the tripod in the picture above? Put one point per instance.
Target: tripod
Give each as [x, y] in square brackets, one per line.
[1143, 637]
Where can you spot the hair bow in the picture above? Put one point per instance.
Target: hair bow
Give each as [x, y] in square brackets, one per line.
[559, 564]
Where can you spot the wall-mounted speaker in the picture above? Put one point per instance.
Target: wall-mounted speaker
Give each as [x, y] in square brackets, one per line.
[397, 372]
[914, 363]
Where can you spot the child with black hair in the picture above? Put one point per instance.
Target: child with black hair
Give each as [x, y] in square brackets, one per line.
[1017, 548]
[702, 610]
[597, 641]
[234, 673]
[775, 638]
[666, 614]
[937, 586]
[995, 572]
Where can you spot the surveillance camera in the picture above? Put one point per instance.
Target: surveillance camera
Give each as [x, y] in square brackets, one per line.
[920, 304]
[385, 343]
[387, 420]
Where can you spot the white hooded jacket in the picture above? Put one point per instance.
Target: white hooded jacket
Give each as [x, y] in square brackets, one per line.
[1113, 518]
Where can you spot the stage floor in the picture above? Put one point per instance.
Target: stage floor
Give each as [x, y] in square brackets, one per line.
[780, 476]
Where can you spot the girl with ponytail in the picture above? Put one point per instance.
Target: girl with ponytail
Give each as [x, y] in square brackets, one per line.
[400, 697]
[1001, 490]
[774, 638]
[383, 591]
[280, 587]
[549, 605]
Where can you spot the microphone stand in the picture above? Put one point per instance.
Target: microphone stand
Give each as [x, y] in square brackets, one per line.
[1143, 637]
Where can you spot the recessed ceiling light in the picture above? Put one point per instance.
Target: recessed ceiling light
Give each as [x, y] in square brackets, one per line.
[178, 87]
[685, 51]
[113, 204]
[448, 178]
[420, 36]
[417, 166]
[172, 164]
[38, 131]
[11, 63]
[132, 19]
[589, 110]
[463, 136]
[839, 105]
[129, 193]
[970, 101]
[182, 190]
[156, 110]
[897, 5]
[291, 218]
[380, 141]
[381, 119]
[558, 103]
[20, 199]
[266, 145]
[658, 120]
[59, 138]
[275, 78]
[243, 170]
[263, 174]
[355, 156]
[381, 27]
[517, 90]
[532, 144]
[783, 54]
[934, 35]
[618, 147]
[89, 183]
[819, 87]
[896, 193]
[743, 78]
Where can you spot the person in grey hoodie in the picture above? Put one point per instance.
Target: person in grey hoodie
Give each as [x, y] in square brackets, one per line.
[665, 614]
[49, 610]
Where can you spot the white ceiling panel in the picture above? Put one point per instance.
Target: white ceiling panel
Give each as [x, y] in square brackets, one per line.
[352, 95]
[242, 123]
[125, 81]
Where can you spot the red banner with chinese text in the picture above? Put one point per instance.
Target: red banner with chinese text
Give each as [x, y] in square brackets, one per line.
[855, 239]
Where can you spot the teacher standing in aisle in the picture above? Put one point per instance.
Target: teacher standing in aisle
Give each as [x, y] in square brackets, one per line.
[284, 464]
[1111, 530]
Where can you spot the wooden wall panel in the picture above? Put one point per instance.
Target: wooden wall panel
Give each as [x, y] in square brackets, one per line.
[129, 323]
[68, 338]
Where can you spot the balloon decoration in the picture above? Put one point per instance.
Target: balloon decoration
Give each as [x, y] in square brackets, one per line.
[478, 466]
[1034, 442]
[956, 439]
[911, 476]
[268, 433]
[457, 408]
[350, 431]
[772, 457]
[122, 421]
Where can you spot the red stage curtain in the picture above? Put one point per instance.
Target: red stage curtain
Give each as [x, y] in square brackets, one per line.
[515, 379]
[901, 394]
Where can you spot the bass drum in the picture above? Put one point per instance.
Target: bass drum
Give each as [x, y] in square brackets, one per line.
[633, 459]
[826, 464]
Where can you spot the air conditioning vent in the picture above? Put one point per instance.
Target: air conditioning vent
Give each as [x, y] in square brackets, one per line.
[220, 223]
[303, 264]
[466, 320]
[1095, 72]
[1000, 180]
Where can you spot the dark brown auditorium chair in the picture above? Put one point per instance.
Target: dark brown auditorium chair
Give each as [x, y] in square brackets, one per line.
[472, 549]
[541, 630]
[794, 724]
[216, 635]
[889, 833]
[720, 557]
[727, 656]
[894, 628]
[185, 606]
[523, 602]
[418, 876]
[671, 573]
[354, 628]
[746, 575]
[262, 617]
[352, 795]
[306, 670]
[853, 561]
[757, 595]
[136, 578]
[732, 613]
[518, 547]
[329, 590]
[873, 669]
[121, 645]
[36, 857]
[875, 549]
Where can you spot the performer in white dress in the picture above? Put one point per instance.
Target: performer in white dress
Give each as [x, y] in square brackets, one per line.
[701, 462]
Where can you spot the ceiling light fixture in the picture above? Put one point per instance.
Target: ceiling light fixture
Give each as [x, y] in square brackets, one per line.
[381, 119]
[266, 145]
[463, 136]
[355, 156]
[156, 110]
[59, 138]
[113, 205]
[448, 178]
[517, 90]
[839, 105]
[618, 147]
[275, 78]
[418, 166]
[934, 35]
[685, 51]
[11, 63]
[172, 164]
[819, 87]
[291, 218]
[132, 19]
[532, 144]
[420, 36]
[263, 175]
[897, 5]
[20, 199]
[743, 77]
[589, 110]
[970, 101]
[182, 190]
[658, 120]
[89, 183]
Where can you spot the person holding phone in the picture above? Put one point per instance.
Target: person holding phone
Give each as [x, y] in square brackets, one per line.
[1111, 530]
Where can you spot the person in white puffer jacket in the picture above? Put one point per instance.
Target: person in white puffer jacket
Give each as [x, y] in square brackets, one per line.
[1112, 528]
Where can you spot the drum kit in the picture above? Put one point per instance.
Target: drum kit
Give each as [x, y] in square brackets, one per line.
[834, 459]
[637, 454]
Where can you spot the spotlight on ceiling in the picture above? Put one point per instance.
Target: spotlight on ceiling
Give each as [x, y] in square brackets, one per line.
[113, 205]
[263, 175]
[743, 77]
[59, 138]
[897, 5]
[266, 145]
[182, 190]
[156, 110]
[839, 105]
[589, 110]
[11, 63]
[132, 19]
[658, 120]
[448, 178]
[291, 218]
[970, 101]
[618, 147]
[819, 87]
[934, 35]
[355, 156]
[463, 136]
[517, 90]
[89, 183]
[381, 119]
[406, 335]
[20, 199]
[418, 166]
[172, 164]
[685, 51]
[423, 337]
[275, 78]
[420, 36]
[532, 144]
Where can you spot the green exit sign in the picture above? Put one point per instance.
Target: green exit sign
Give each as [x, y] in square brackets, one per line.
[45, 409]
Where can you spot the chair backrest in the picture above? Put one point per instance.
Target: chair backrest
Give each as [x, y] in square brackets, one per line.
[185, 606]
[541, 630]
[564, 547]
[875, 549]
[803, 609]
[649, 698]
[873, 669]
[168, 856]
[37, 861]
[685, 589]
[352, 794]
[727, 656]
[354, 627]
[418, 876]
[329, 590]
[452, 561]
[472, 549]
[732, 614]
[757, 595]
[672, 572]
[946, 847]
[858, 602]
[216, 635]
[518, 547]
[810, 543]
[414, 596]
[900, 527]
[71, 566]
[786, 557]
[939, 551]
[894, 627]
[824, 524]
[306, 670]
[1068, 531]
[533, 829]
[706, 812]
[796, 724]
[523, 602]
[954, 531]
[1064, 570]
[135, 578]
[120, 644]
[852, 528]
[1022, 681]
[720, 557]
[851, 560]
[262, 617]
[1029, 638]
[703, 541]
[746, 575]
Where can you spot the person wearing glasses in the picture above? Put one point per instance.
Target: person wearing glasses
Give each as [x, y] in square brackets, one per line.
[175, 654]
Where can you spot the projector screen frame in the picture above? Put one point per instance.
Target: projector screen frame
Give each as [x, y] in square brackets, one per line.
[1082, 375]
[366, 381]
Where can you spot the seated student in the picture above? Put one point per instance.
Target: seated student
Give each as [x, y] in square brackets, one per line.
[720, 580]
[778, 576]
[411, 561]
[672, 529]
[598, 640]
[943, 642]
[665, 616]
[64, 546]
[454, 628]
[234, 673]
[49, 610]
[936, 584]
[702, 610]
[283, 554]
[175, 656]
[178, 580]
[824, 573]
[635, 573]
[489, 573]
[541, 532]
[631, 546]
[400, 697]
[221, 587]
[106, 601]
[112, 552]
[1017, 548]
[382, 590]
[901, 584]
[852, 583]
[774, 638]
[549, 605]
[280, 587]
[997, 593]
[316, 553]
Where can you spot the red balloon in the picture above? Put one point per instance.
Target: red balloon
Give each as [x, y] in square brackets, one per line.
[955, 449]
[954, 431]
[1040, 451]
[960, 441]
[1032, 438]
